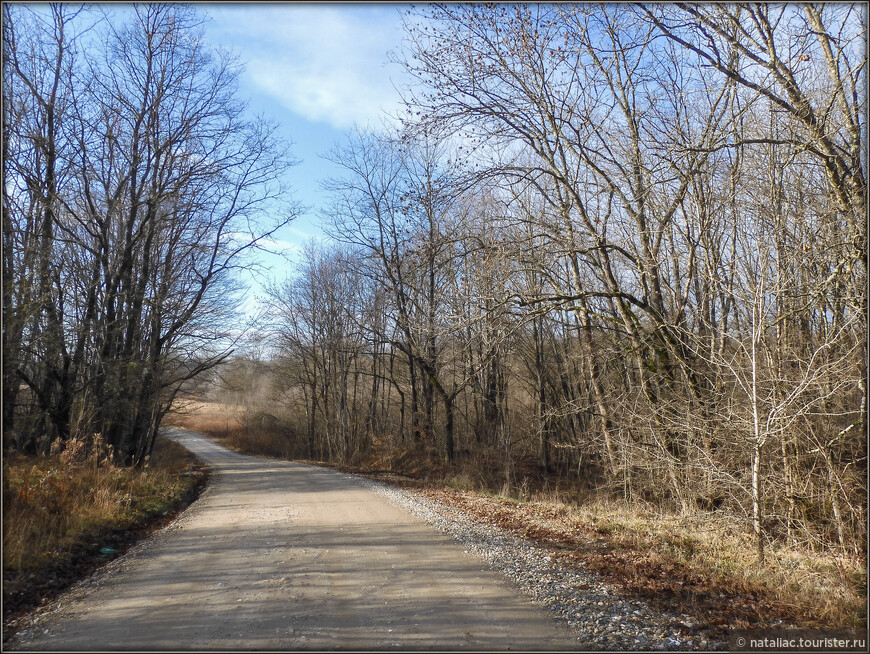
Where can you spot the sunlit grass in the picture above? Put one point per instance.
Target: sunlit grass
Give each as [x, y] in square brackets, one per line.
[51, 503]
[225, 424]
[639, 546]
[704, 553]
[826, 588]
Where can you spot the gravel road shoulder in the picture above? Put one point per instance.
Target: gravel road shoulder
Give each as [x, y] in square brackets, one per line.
[283, 556]
[269, 581]
[596, 611]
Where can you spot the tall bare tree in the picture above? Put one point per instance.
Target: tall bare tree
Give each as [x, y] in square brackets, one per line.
[164, 179]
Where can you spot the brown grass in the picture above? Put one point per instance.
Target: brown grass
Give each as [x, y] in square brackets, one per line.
[65, 513]
[216, 420]
[703, 564]
[227, 424]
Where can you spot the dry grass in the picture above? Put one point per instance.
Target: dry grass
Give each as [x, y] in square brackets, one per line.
[705, 564]
[50, 502]
[216, 420]
[717, 553]
[816, 589]
[60, 511]
[229, 425]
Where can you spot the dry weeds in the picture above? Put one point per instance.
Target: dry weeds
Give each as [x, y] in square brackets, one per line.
[704, 563]
[65, 513]
[226, 424]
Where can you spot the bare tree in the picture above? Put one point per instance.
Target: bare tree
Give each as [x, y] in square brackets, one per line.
[628, 157]
[395, 206]
[775, 50]
[164, 183]
[39, 58]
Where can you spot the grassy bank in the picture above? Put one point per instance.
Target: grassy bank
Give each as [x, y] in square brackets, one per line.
[703, 564]
[67, 513]
[225, 424]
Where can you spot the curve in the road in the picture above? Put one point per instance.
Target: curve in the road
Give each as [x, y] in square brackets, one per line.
[278, 555]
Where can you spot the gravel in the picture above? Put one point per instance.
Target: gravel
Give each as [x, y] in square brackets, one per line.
[601, 617]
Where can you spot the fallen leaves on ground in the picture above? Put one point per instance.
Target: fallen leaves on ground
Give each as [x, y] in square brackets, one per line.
[719, 603]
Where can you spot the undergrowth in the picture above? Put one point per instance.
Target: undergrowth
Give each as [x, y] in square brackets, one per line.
[705, 563]
[702, 564]
[226, 425]
[65, 513]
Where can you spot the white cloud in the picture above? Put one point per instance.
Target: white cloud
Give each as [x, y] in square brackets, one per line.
[326, 63]
[280, 245]
[301, 234]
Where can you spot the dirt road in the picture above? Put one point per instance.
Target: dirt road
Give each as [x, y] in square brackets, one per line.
[277, 555]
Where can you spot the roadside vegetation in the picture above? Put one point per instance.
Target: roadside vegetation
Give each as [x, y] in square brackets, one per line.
[127, 160]
[702, 564]
[66, 513]
[614, 258]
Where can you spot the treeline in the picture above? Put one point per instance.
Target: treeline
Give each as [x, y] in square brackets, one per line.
[133, 187]
[622, 244]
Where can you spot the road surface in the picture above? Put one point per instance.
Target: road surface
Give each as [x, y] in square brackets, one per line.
[283, 556]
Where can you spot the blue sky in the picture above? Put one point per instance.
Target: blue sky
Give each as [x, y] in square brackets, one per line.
[317, 69]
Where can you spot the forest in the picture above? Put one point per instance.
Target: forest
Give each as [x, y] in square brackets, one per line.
[623, 245]
[134, 183]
